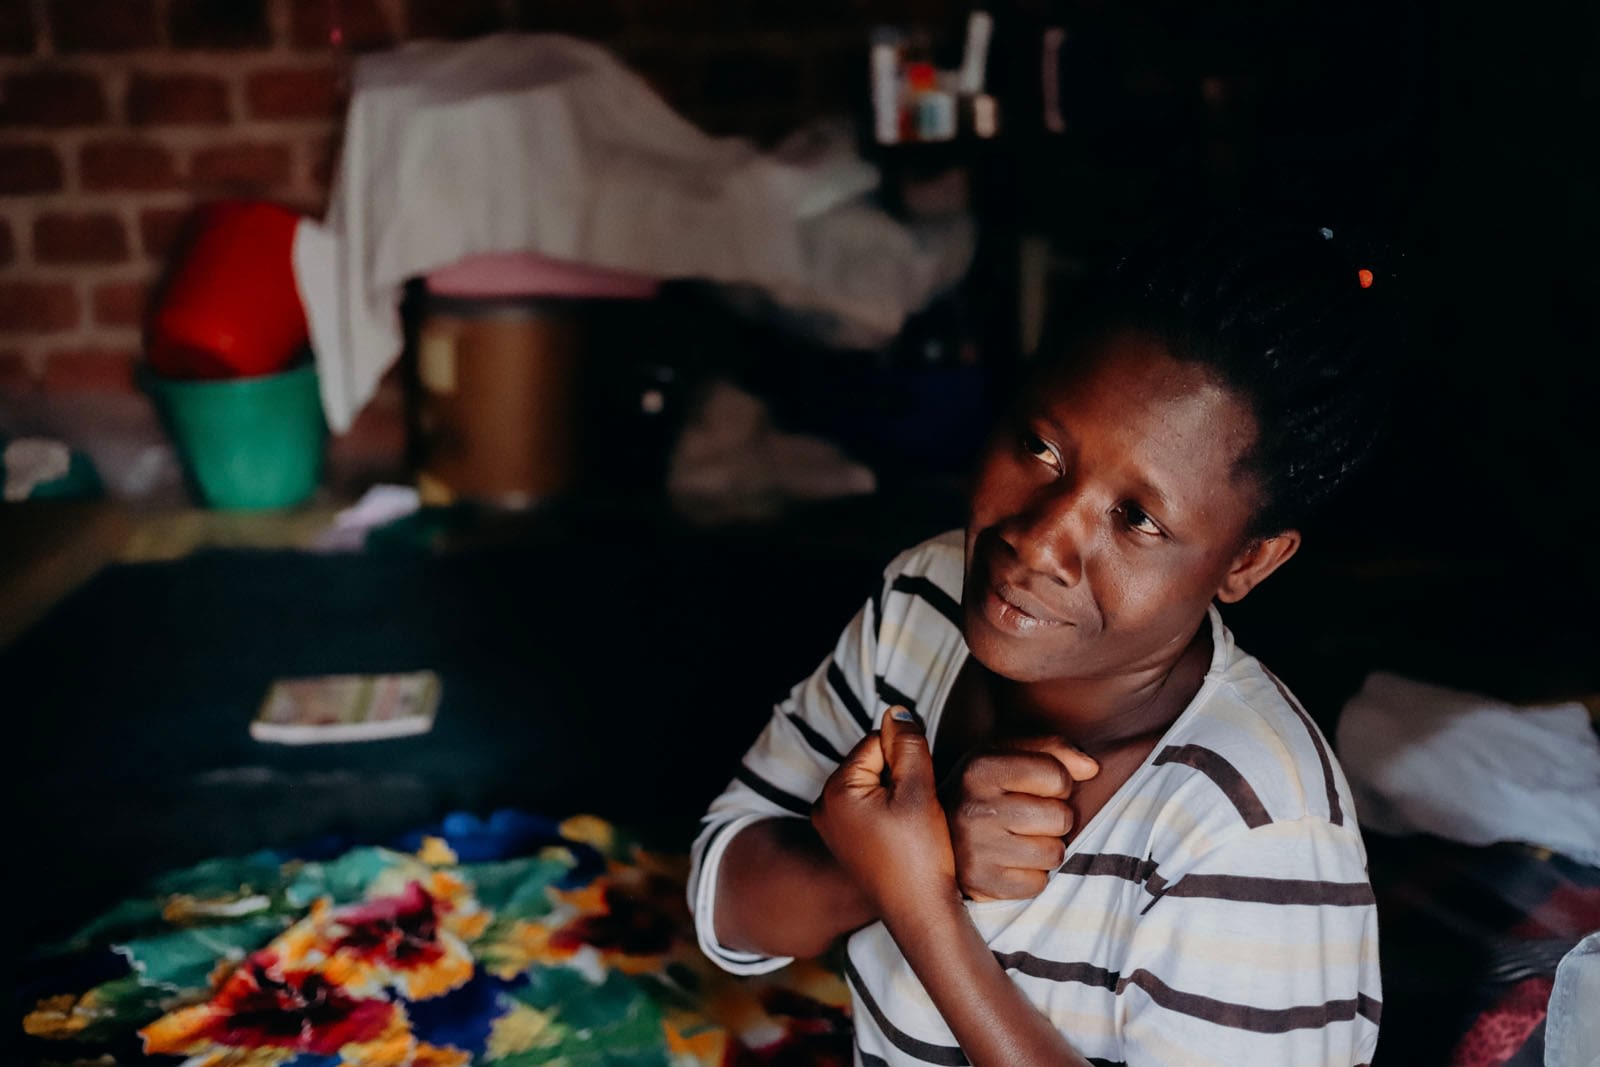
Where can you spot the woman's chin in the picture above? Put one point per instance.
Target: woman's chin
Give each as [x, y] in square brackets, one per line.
[1015, 658]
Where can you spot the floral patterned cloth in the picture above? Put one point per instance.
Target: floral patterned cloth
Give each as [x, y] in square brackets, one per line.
[512, 941]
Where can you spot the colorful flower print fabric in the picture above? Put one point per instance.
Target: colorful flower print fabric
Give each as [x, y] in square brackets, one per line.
[512, 941]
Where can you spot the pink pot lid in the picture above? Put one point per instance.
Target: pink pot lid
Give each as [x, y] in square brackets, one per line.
[503, 274]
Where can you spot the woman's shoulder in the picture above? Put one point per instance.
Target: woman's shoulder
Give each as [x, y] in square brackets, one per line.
[917, 624]
[922, 588]
[941, 559]
[1251, 748]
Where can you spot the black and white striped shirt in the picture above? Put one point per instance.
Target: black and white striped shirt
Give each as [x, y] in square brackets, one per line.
[1215, 912]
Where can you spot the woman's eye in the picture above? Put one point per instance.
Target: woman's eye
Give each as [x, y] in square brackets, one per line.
[1036, 447]
[1138, 521]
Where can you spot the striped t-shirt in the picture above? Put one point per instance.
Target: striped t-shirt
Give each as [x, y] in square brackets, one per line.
[1216, 911]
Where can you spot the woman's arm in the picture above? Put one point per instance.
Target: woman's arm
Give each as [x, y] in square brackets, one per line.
[780, 892]
[761, 885]
[993, 1022]
[892, 841]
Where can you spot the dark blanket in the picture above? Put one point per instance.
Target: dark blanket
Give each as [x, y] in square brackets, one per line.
[1470, 940]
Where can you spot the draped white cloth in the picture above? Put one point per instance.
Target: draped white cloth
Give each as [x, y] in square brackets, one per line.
[547, 144]
[1421, 758]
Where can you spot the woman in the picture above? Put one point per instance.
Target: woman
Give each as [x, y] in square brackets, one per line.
[1090, 828]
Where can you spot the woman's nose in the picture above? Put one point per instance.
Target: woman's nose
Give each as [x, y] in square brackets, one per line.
[1049, 537]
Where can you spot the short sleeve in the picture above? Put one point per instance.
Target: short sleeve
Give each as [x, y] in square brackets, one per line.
[1263, 950]
[784, 771]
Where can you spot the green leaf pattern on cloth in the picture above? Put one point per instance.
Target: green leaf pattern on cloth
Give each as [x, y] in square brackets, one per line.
[184, 959]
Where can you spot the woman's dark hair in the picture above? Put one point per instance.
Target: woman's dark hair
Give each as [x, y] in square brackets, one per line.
[1285, 315]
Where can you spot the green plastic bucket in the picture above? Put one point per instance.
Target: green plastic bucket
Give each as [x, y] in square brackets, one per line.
[246, 443]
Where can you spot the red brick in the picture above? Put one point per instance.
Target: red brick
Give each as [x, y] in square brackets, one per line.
[90, 370]
[162, 229]
[362, 23]
[15, 374]
[454, 19]
[227, 24]
[8, 247]
[29, 168]
[294, 93]
[127, 163]
[177, 100]
[37, 307]
[79, 238]
[242, 166]
[16, 27]
[120, 303]
[52, 98]
[103, 25]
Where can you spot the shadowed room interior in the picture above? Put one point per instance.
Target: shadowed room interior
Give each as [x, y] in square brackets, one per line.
[612, 640]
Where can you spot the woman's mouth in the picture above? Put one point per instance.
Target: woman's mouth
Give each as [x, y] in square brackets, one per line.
[1010, 607]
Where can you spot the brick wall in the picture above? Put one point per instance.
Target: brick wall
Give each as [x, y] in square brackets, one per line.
[117, 117]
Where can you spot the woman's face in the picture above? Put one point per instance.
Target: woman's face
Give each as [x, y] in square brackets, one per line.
[1106, 516]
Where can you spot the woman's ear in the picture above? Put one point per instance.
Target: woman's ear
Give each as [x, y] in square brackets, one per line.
[1259, 558]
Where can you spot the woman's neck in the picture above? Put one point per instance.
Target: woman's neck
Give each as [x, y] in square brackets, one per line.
[1101, 714]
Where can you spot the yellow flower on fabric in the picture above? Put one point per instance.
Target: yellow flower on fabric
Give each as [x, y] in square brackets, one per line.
[398, 1047]
[433, 1056]
[518, 947]
[60, 1017]
[240, 1057]
[585, 900]
[589, 830]
[436, 852]
[518, 1030]
[460, 912]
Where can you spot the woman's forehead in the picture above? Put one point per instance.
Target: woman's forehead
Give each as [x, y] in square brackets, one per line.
[1129, 368]
[1172, 418]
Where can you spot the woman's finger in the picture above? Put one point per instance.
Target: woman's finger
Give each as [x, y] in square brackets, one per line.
[1021, 813]
[1007, 883]
[1079, 766]
[905, 747]
[862, 768]
[1037, 774]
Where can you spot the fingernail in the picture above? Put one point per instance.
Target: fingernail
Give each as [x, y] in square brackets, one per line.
[902, 715]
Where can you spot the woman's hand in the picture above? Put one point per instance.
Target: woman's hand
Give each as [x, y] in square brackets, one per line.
[879, 815]
[1009, 816]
